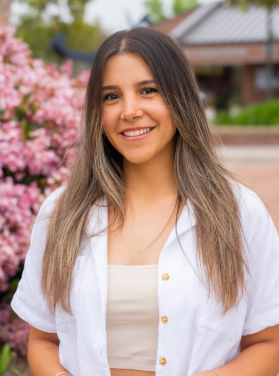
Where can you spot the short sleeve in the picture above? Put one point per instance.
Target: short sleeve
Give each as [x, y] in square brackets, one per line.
[28, 301]
[263, 262]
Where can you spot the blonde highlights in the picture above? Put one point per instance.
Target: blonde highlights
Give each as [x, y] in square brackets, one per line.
[200, 177]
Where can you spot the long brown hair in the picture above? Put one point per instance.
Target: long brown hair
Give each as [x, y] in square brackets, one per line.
[200, 176]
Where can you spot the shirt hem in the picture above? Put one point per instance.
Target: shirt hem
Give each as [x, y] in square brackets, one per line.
[20, 309]
[132, 362]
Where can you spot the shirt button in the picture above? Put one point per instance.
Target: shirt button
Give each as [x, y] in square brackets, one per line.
[163, 361]
[165, 276]
[164, 319]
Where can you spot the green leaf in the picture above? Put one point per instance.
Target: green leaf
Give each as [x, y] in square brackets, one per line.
[26, 96]
[26, 130]
[20, 113]
[13, 284]
[5, 358]
[14, 370]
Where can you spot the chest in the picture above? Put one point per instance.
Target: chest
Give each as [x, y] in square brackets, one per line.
[190, 318]
[140, 239]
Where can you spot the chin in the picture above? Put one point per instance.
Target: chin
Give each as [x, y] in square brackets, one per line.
[138, 159]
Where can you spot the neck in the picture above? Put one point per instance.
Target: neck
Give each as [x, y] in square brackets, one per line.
[152, 180]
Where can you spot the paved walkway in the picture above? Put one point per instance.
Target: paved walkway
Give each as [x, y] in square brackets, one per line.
[259, 167]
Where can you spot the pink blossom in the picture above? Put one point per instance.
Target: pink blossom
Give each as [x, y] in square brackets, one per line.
[13, 330]
[40, 114]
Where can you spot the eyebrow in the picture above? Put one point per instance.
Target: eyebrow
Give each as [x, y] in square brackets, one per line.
[145, 82]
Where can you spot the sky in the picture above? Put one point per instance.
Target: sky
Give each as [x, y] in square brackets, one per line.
[114, 15]
[117, 14]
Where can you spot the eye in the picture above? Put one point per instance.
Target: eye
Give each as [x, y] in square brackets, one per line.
[110, 96]
[149, 90]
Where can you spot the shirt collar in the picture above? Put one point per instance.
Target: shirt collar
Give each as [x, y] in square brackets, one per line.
[184, 223]
[99, 219]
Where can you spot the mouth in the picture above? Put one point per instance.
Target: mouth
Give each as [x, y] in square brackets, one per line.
[137, 133]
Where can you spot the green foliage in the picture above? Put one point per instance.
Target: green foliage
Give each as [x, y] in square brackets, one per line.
[80, 36]
[76, 6]
[222, 118]
[84, 37]
[37, 35]
[180, 6]
[13, 283]
[26, 129]
[155, 10]
[243, 4]
[5, 360]
[266, 113]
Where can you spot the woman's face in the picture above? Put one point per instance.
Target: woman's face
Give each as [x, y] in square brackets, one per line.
[135, 118]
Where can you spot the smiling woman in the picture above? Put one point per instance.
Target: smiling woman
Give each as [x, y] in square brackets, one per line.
[154, 259]
[133, 112]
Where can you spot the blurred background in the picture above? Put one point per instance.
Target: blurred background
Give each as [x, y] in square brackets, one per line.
[46, 51]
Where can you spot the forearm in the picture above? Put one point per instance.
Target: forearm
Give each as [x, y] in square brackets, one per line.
[43, 358]
[261, 359]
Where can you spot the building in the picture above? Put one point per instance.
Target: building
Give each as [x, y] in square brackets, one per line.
[227, 49]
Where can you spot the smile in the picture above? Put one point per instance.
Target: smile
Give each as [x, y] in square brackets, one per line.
[138, 132]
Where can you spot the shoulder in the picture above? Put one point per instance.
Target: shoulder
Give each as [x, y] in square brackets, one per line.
[252, 208]
[259, 232]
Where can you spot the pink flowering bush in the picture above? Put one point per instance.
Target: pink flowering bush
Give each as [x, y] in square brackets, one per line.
[13, 330]
[40, 113]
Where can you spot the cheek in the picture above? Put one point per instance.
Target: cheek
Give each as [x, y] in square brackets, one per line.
[162, 115]
[159, 111]
[108, 117]
[109, 121]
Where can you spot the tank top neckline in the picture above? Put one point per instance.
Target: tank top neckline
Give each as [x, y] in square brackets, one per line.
[132, 266]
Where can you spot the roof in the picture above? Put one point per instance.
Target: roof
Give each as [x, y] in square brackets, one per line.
[216, 23]
[167, 25]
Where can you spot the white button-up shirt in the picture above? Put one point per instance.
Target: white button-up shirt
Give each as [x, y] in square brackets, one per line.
[196, 337]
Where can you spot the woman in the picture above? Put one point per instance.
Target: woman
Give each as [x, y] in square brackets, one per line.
[153, 258]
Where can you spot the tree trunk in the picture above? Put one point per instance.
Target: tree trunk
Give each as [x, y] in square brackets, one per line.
[269, 48]
[5, 6]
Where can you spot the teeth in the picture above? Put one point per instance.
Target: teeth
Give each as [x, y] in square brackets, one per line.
[136, 133]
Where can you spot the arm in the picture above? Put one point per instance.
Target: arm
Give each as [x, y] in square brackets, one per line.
[43, 353]
[259, 356]
[31, 305]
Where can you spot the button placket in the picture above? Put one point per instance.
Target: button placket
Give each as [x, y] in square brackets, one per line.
[164, 319]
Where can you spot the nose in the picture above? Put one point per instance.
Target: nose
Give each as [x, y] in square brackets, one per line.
[131, 110]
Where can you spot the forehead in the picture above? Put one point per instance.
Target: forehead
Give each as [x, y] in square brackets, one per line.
[126, 66]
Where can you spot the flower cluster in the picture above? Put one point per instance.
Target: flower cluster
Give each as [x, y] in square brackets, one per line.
[40, 114]
[13, 330]
[18, 203]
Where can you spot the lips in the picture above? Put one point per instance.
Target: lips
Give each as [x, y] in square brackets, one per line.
[136, 132]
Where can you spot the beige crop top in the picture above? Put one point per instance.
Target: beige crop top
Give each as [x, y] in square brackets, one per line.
[132, 317]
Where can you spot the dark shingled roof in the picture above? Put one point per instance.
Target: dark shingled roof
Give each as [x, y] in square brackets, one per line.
[216, 23]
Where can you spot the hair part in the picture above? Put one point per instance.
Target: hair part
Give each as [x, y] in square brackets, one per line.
[198, 172]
